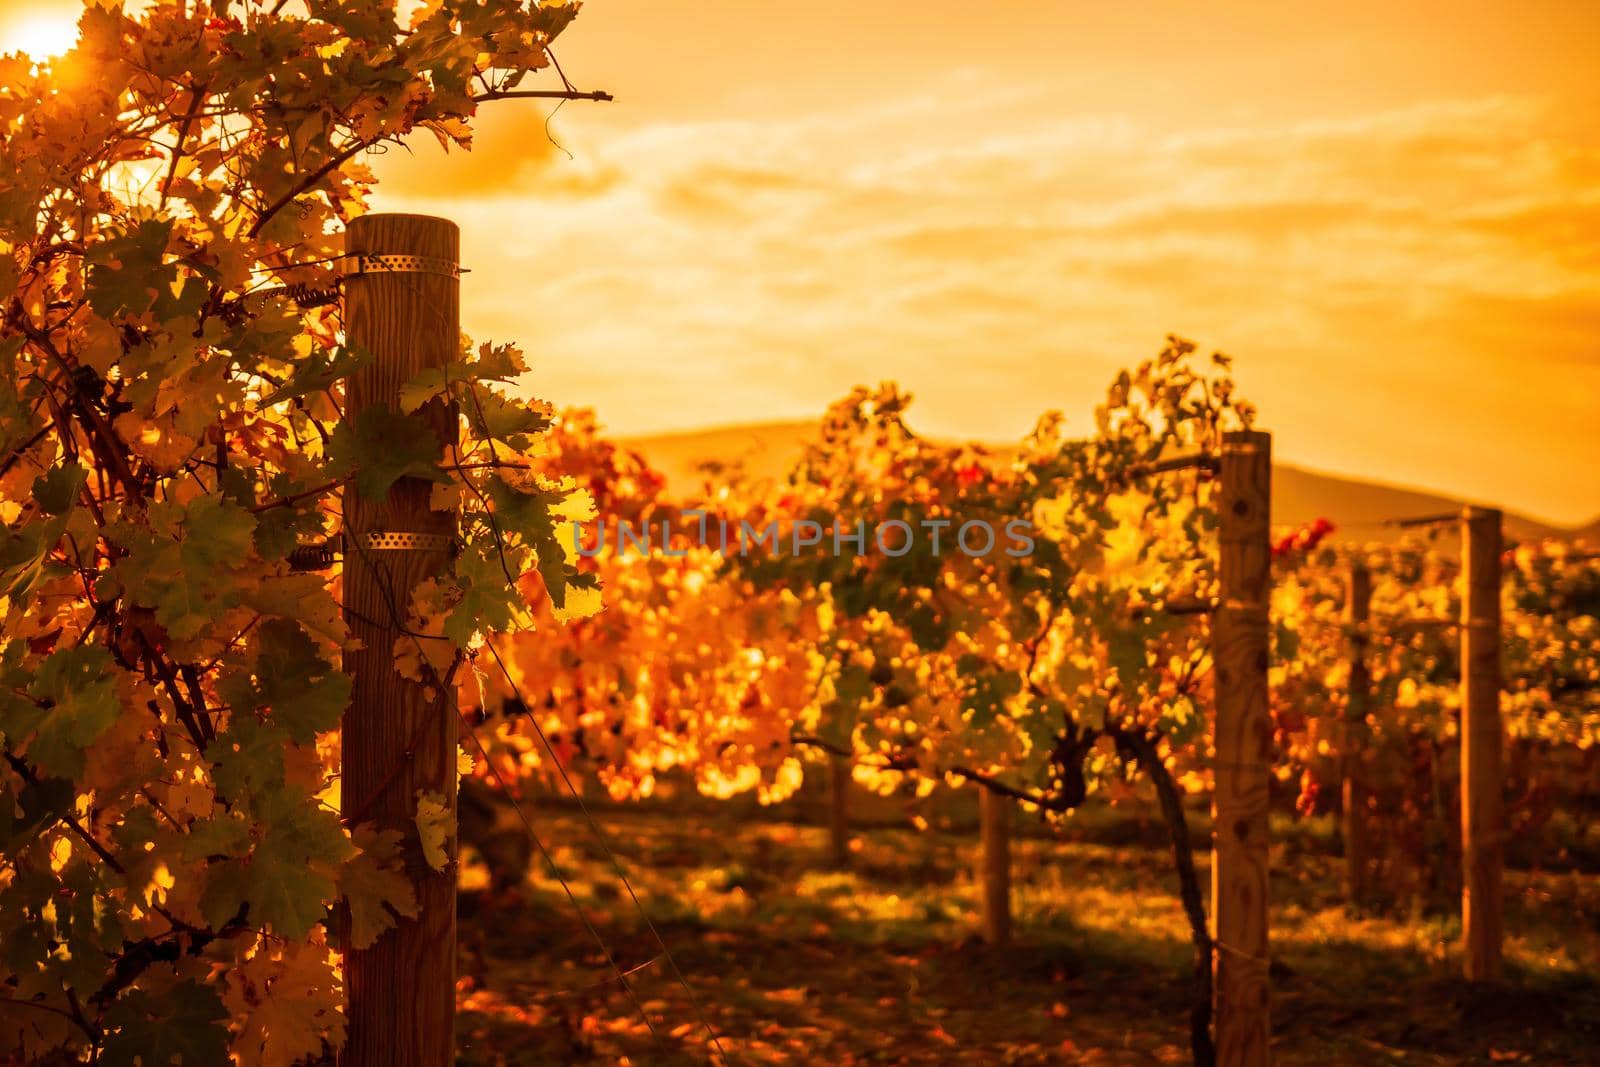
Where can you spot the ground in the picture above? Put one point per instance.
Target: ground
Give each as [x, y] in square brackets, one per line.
[792, 962]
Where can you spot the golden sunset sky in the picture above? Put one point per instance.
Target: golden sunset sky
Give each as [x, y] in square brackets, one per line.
[1388, 213]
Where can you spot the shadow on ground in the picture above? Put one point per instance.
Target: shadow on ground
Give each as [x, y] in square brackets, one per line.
[794, 963]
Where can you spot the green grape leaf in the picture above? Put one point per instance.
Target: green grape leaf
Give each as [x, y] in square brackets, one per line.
[74, 702]
[319, 371]
[186, 1025]
[249, 759]
[224, 834]
[189, 582]
[382, 446]
[286, 883]
[290, 676]
[56, 489]
[486, 600]
[492, 416]
[127, 274]
[279, 530]
[34, 806]
[25, 556]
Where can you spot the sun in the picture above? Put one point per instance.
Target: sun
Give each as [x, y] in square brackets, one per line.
[39, 33]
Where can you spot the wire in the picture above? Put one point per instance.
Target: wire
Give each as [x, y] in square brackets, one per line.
[611, 856]
[555, 869]
[558, 994]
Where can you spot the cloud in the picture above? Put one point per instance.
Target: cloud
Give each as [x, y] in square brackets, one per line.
[1422, 278]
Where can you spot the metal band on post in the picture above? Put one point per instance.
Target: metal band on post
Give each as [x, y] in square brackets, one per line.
[405, 541]
[350, 266]
[396, 263]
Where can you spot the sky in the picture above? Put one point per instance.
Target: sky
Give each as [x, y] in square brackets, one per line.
[1388, 214]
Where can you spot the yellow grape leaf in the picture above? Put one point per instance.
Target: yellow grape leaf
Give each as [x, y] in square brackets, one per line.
[576, 506]
[581, 603]
[101, 346]
[374, 885]
[163, 445]
[412, 649]
[285, 1004]
[431, 602]
[304, 598]
[444, 496]
[433, 827]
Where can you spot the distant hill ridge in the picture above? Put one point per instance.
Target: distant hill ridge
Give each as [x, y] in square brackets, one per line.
[1298, 495]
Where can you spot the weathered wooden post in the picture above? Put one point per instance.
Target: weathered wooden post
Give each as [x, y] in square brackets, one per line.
[399, 736]
[1243, 742]
[839, 811]
[994, 866]
[1353, 734]
[1482, 739]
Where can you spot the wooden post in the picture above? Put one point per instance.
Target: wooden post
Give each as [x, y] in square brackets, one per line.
[1243, 741]
[994, 865]
[839, 811]
[399, 736]
[1482, 739]
[1353, 733]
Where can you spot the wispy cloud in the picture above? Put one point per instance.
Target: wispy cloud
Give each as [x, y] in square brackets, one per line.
[1412, 294]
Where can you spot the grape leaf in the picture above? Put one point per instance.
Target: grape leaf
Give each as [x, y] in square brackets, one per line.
[249, 760]
[57, 488]
[318, 372]
[288, 889]
[186, 1025]
[382, 446]
[285, 1004]
[492, 416]
[435, 827]
[304, 691]
[189, 582]
[374, 885]
[74, 702]
[127, 273]
[35, 805]
[495, 363]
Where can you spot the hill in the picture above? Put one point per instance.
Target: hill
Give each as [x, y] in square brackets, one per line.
[1299, 495]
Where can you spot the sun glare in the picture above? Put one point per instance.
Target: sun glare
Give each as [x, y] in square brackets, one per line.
[39, 33]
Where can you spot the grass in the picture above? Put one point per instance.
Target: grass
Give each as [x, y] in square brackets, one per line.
[796, 963]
